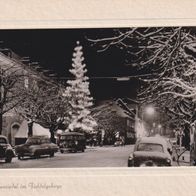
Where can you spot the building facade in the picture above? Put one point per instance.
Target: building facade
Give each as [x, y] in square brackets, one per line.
[12, 63]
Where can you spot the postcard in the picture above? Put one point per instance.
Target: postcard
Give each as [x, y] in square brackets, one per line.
[98, 104]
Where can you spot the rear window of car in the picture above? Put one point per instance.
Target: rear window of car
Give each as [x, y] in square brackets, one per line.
[45, 140]
[72, 137]
[33, 141]
[3, 141]
[150, 147]
[38, 141]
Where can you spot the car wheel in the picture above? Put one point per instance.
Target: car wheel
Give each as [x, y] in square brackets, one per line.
[52, 154]
[8, 159]
[36, 155]
[62, 151]
[83, 150]
[130, 164]
[19, 157]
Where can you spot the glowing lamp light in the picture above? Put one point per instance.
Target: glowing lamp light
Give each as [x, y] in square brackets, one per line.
[123, 79]
[150, 110]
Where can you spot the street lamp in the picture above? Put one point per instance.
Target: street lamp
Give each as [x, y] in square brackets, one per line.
[150, 110]
[160, 129]
[148, 113]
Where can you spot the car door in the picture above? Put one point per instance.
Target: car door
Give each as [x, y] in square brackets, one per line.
[45, 146]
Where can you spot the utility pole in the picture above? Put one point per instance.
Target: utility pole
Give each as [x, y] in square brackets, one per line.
[136, 119]
[1, 98]
[1, 102]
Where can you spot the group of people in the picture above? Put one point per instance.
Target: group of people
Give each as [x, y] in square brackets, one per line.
[99, 140]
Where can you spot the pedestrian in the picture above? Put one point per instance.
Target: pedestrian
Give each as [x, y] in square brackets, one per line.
[186, 136]
[123, 140]
[179, 135]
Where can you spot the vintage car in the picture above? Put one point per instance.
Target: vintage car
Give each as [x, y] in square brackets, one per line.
[72, 142]
[36, 146]
[118, 143]
[150, 151]
[6, 151]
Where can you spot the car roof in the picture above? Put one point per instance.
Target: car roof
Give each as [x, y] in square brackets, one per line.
[39, 136]
[72, 133]
[153, 140]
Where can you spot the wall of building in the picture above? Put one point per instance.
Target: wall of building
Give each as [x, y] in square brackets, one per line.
[13, 65]
[11, 124]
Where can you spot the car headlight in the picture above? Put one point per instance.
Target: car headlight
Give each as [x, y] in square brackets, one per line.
[131, 157]
[168, 161]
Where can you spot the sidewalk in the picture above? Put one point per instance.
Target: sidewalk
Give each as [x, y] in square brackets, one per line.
[184, 159]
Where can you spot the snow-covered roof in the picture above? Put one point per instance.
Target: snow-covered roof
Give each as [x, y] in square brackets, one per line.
[109, 106]
[15, 63]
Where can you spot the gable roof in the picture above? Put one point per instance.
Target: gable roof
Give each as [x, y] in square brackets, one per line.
[109, 106]
[15, 64]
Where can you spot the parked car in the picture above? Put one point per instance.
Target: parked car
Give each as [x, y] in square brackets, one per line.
[118, 143]
[72, 142]
[150, 151]
[6, 150]
[36, 146]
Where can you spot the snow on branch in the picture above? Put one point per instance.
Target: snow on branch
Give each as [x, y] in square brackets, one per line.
[167, 54]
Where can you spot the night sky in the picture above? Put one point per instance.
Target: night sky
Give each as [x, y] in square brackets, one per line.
[53, 49]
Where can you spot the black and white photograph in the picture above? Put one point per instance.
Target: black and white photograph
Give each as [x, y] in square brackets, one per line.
[98, 97]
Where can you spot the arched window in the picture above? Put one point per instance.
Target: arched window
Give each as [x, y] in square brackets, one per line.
[15, 126]
[14, 129]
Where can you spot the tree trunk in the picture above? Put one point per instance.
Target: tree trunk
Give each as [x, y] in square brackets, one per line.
[1, 123]
[52, 138]
[1, 104]
[30, 128]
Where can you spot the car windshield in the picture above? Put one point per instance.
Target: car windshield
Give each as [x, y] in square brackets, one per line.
[3, 141]
[150, 147]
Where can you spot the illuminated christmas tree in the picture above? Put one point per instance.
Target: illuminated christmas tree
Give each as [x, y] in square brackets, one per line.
[78, 94]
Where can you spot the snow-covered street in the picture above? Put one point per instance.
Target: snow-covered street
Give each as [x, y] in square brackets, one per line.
[106, 156]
